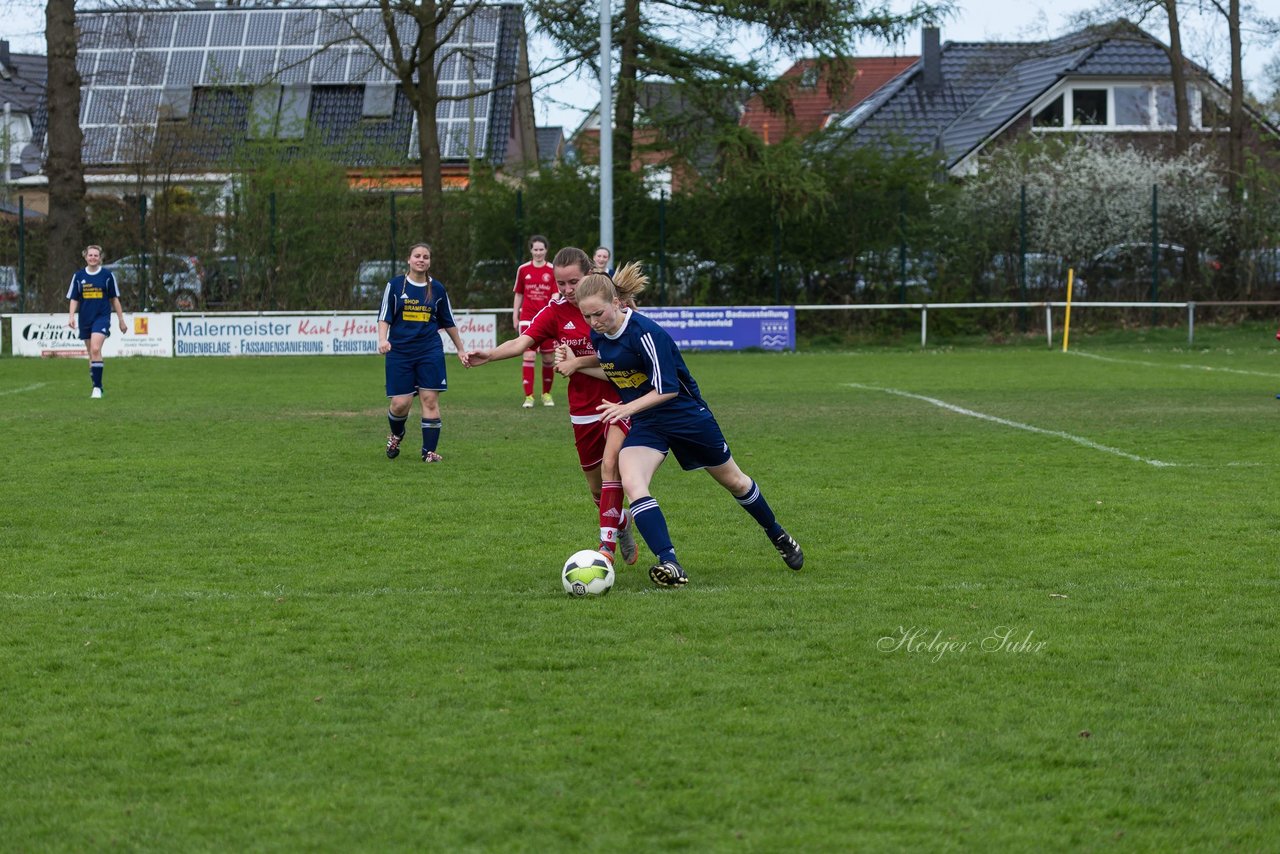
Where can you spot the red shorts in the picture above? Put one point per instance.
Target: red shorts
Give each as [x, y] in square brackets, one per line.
[547, 346]
[589, 439]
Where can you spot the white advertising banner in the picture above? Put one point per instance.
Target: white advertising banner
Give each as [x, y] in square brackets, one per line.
[146, 334]
[304, 335]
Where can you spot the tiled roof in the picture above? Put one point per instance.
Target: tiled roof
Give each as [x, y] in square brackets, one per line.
[811, 107]
[550, 144]
[132, 64]
[985, 85]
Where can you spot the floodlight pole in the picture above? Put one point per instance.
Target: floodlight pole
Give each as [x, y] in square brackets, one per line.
[606, 126]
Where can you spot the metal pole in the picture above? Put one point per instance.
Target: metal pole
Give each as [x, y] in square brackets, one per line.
[1155, 248]
[1048, 324]
[924, 325]
[606, 125]
[1191, 323]
[902, 246]
[1022, 252]
[777, 262]
[142, 240]
[662, 247]
[393, 256]
[22, 253]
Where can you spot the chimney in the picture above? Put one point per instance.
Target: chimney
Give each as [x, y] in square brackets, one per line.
[931, 58]
[5, 59]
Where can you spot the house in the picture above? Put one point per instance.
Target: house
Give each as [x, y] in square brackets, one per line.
[813, 102]
[963, 99]
[552, 146]
[174, 92]
[672, 144]
[22, 82]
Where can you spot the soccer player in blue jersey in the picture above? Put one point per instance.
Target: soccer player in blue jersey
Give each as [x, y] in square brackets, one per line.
[667, 414]
[94, 294]
[415, 309]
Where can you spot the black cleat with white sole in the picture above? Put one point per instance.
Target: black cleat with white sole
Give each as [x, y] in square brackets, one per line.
[789, 549]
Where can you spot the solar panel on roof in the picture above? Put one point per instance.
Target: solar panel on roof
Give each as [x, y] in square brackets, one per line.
[128, 59]
[264, 29]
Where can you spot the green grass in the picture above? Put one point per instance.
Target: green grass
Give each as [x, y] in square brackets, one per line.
[227, 622]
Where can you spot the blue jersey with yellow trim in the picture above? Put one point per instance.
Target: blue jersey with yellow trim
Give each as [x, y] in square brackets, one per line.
[642, 356]
[416, 314]
[94, 291]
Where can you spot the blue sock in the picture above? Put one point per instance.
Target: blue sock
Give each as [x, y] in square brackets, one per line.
[95, 372]
[397, 423]
[753, 502]
[652, 525]
[430, 434]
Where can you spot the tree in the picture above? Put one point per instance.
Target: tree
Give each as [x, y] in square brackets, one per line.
[423, 36]
[652, 43]
[63, 165]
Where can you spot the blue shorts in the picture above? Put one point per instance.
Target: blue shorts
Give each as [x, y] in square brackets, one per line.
[100, 325]
[407, 374]
[696, 440]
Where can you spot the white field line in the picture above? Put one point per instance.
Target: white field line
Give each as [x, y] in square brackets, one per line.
[1166, 365]
[1018, 425]
[24, 388]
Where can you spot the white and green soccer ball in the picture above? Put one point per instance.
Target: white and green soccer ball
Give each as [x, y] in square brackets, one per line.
[587, 573]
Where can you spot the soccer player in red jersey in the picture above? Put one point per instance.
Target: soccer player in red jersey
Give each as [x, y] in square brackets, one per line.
[560, 323]
[535, 285]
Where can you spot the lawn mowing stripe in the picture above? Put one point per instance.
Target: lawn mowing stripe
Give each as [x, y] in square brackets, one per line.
[24, 388]
[1165, 365]
[1018, 425]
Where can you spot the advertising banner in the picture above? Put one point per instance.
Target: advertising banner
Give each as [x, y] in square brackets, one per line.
[305, 335]
[147, 334]
[728, 327]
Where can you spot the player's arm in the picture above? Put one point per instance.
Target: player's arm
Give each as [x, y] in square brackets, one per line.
[506, 350]
[386, 312]
[71, 316]
[516, 302]
[115, 304]
[614, 412]
[568, 364]
[463, 355]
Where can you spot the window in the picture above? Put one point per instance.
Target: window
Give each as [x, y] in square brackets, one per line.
[279, 111]
[809, 78]
[1133, 105]
[1050, 116]
[1089, 107]
[1121, 106]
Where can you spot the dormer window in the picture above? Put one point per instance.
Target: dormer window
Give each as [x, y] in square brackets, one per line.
[1115, 107]
[809, 78]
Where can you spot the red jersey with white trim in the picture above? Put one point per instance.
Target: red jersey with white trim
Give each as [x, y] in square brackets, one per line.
[563, 323]
[538, 284]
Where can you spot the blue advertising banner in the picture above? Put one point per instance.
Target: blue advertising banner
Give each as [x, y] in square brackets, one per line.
[728, 327]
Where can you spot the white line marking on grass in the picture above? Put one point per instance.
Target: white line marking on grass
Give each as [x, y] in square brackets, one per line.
[1018, 425]
[1182, 366]
[24, 388]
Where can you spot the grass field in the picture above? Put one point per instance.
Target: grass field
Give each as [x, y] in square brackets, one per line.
[227, 622]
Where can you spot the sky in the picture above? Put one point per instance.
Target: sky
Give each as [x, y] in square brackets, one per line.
[566, 102]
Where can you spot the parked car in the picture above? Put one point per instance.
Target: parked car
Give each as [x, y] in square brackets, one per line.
[1123, 271]
[10, 293]
[1263, 265]
[371, 281]
[180, 279]
[1045, 272]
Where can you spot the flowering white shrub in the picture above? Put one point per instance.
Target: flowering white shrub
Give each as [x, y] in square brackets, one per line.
[1090, 194]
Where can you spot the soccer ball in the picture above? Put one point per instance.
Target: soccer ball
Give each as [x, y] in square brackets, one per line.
[587, 573]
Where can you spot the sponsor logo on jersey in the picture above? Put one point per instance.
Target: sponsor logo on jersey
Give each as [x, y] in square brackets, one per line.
[92, 293]
[623, 379]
